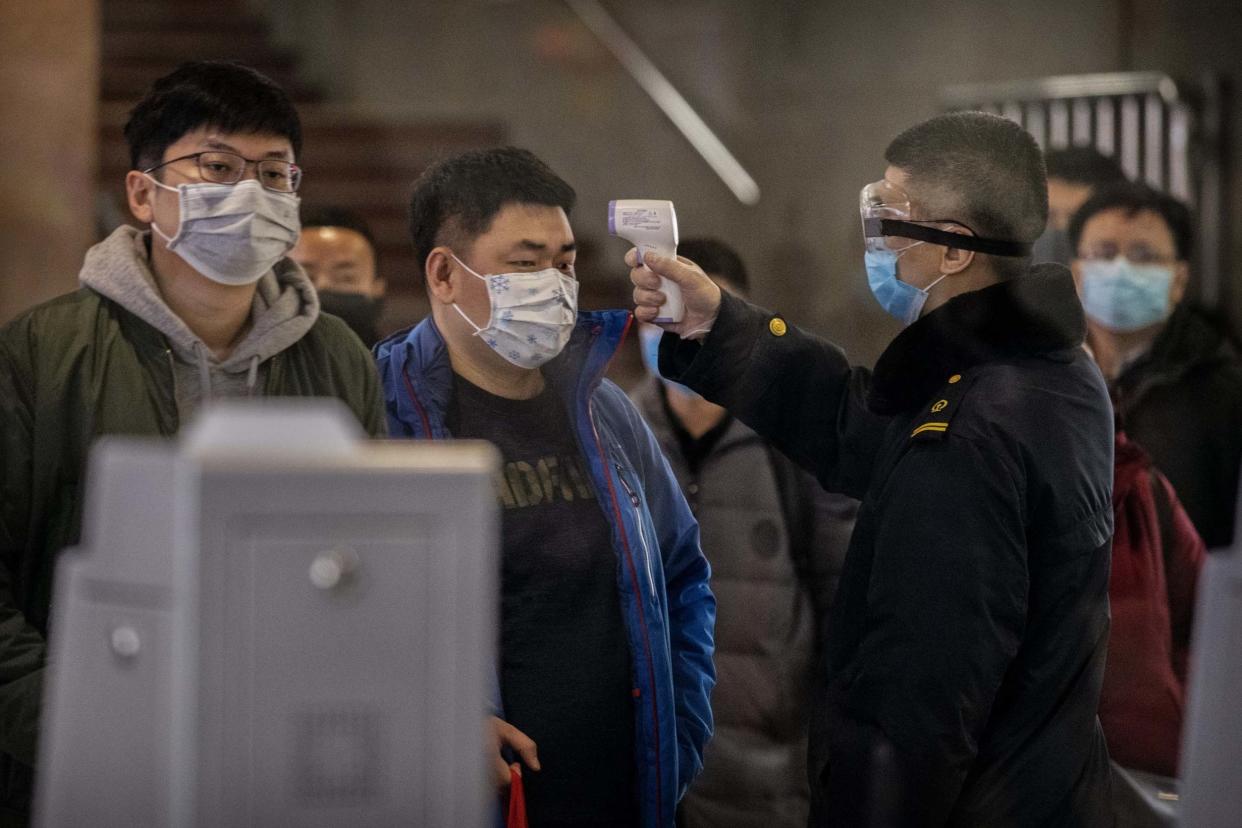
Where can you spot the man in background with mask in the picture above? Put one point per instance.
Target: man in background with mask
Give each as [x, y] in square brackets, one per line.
[776, 542]
[337, 251]
[969, 631]
[1175, 376]
[1073, 174]
[605, 660]
[201, 305]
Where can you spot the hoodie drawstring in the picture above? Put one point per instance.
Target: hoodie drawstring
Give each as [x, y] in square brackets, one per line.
[252, 377]
[204, 371]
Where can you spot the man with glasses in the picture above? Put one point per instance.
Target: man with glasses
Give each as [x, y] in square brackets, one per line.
[969, 630]
[1175, 376]
[201, 306]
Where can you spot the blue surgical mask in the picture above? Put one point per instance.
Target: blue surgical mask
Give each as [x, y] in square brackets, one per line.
[649, 338]
[902, 300]
[1124, 296]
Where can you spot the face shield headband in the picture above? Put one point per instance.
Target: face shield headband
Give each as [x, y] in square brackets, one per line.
[886, 213]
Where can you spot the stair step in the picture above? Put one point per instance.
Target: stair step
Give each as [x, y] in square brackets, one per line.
[413, 148]
[349, 151]
[250, 47]
[389, 227]
[127, 80]
[356, 193]
[161, 15]
[334, 122]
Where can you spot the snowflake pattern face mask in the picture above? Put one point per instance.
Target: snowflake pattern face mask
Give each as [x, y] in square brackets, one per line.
[532, 314]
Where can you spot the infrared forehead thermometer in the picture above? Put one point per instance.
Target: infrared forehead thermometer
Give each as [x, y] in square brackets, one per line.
[649, 224]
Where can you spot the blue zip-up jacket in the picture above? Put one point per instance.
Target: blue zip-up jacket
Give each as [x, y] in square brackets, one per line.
[666, 602]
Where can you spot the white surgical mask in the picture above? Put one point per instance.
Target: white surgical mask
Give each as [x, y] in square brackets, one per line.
[233, 233]
[532, 314]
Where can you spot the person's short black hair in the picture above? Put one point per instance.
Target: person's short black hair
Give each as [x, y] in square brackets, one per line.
[1133, 198]
[717, 259]
[329, 216]
[224, 95]
[1083, 165]
[982, 170]
[455, 200]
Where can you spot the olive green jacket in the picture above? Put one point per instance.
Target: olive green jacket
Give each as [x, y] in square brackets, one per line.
[71, 370]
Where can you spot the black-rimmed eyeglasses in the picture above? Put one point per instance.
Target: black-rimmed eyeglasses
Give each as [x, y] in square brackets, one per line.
[219, 167]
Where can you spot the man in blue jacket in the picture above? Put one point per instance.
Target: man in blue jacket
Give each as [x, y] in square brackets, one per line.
[606, 617]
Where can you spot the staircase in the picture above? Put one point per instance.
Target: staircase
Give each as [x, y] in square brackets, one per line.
[365, 164]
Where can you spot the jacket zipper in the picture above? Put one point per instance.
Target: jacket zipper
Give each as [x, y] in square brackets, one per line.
[418, 406]
[638, 517]
[172, 375]
[642, 617]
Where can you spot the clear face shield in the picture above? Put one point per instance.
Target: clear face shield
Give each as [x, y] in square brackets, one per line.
[889, 229]
[878, 201]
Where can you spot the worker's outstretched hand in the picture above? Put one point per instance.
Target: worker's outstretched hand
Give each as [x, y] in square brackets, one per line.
[700, 294]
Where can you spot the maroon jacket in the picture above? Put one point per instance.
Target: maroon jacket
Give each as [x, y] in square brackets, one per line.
[1157, 555]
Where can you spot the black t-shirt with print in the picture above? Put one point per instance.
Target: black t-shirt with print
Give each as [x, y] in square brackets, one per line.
[565, 674]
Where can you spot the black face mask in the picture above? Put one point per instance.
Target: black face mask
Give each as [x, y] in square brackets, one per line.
[359, 312]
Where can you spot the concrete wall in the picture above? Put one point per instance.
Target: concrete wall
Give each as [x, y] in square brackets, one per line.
[49, 56]
[806, 94]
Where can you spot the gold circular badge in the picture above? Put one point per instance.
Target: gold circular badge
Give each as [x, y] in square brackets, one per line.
[777, 326]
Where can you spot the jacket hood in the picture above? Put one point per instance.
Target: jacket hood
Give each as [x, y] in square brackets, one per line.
[284, 310]
[1037, 313]
[418, 377]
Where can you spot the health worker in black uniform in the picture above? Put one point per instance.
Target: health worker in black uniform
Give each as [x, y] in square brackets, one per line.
[970, 627]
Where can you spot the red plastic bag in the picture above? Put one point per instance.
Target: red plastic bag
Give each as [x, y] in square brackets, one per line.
[517, 800]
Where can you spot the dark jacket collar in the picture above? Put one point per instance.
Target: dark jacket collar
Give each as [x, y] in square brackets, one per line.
[1034, 314]
[1188, 340]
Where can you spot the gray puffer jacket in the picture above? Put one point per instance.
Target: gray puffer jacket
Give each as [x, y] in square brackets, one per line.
[776, 542]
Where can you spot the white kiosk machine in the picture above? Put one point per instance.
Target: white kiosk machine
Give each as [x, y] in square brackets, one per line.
[1211, 796]
[273, 622]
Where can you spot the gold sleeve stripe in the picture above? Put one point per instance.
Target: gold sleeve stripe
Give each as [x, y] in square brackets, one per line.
[929, 427]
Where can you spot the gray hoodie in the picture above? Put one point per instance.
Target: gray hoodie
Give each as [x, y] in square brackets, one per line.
[285, 307]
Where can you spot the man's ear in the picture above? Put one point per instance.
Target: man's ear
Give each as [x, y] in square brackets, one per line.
[1181, 277]
[140, 193]
[379, 287]
[439, 269]
[955, 260]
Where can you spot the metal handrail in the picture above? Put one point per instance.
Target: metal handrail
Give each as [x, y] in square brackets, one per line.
[1062, 107]
[671, 102]
[1058, 87]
